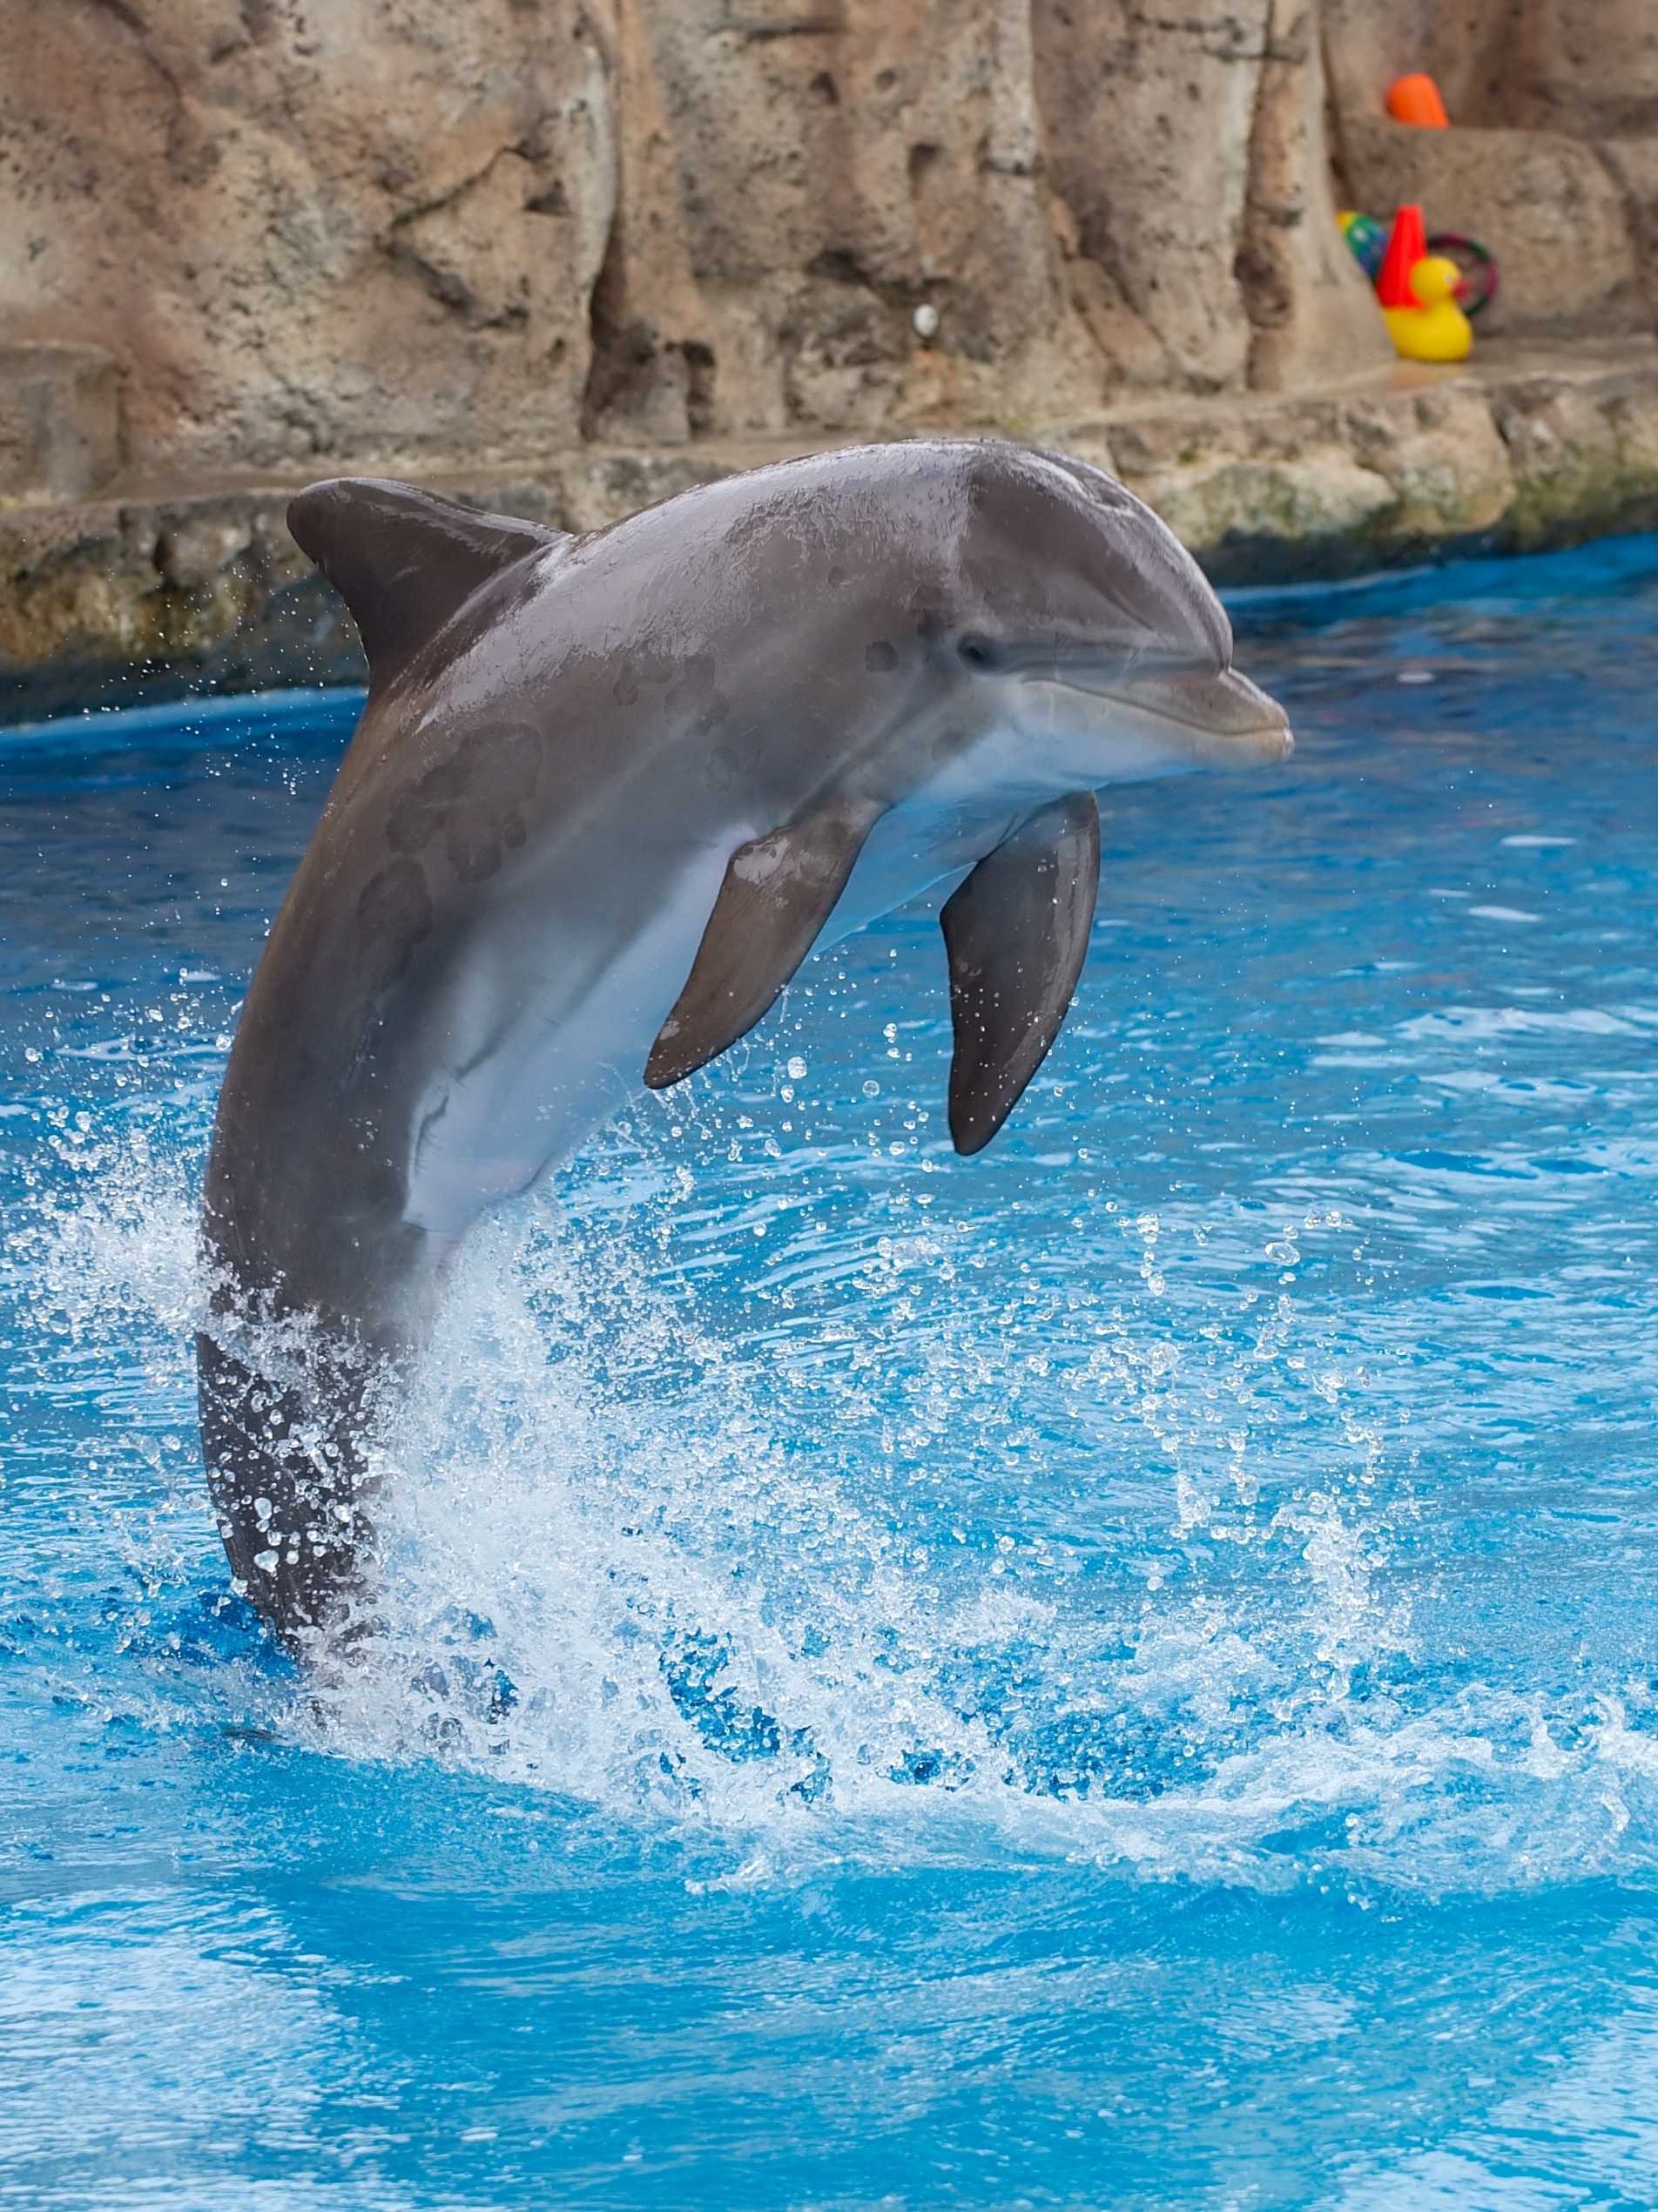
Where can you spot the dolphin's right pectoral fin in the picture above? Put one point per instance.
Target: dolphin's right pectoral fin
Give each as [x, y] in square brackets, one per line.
[778, 894]
[405, 560]
[1017, 934]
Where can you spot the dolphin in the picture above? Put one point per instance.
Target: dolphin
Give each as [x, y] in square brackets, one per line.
[606, 794]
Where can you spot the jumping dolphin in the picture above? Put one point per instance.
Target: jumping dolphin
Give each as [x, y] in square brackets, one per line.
[607, 793]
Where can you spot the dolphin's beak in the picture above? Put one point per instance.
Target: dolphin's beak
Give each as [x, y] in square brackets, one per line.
[1226, 720]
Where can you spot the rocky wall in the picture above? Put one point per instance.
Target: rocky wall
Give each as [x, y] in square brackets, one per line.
[384, 232]
[1189, 150]
[311, 228]
[843, 168]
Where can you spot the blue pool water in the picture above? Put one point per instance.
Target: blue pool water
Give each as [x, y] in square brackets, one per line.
[1120, 1674]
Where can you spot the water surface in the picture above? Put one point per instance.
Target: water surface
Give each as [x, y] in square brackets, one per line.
[1120, 1674]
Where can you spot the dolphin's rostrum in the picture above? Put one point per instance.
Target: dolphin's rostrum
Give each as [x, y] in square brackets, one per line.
[607, 793]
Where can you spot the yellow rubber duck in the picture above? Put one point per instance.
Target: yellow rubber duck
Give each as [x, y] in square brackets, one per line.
[1436, 329]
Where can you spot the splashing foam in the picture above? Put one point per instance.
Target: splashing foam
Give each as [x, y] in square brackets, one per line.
[617, 1563]
[605, 1572]
[610, 1569]
[112, 1251]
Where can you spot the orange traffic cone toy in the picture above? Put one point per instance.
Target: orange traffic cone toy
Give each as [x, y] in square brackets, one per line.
[1416, 99]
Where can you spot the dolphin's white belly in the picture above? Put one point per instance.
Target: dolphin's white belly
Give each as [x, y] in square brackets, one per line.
[524, 1078]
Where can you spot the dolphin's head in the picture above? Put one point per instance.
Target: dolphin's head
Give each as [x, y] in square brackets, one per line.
[1095, 628]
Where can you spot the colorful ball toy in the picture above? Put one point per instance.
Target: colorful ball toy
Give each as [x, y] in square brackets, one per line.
[1368, 239]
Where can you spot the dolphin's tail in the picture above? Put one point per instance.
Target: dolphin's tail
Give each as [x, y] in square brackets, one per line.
[287, 1473]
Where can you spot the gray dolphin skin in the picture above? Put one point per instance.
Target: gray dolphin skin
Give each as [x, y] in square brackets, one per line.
[606, 794]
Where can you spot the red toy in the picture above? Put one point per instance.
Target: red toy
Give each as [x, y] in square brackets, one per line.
[1406, 245]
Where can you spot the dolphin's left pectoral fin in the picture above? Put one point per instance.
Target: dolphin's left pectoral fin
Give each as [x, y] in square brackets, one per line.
[778, 894]
[1017, 934]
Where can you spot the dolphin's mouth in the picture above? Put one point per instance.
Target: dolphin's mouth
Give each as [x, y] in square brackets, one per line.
[1232, 719]
[1224, 720]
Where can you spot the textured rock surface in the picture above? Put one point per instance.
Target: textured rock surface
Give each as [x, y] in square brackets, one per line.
[1418, 465]
[1633, 163]
[59, 426]
[1188, 152]
[1324, 486]
[653, 369]
[1312, 312]
[845, 166]
[365, 227]
[1149, 114]
[1591, 69]
[394, 232]
[118, 602]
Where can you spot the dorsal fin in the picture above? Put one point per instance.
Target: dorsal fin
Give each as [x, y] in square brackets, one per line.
[404, 560]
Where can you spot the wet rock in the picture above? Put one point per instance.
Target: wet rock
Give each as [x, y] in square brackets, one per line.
[119, 602]
[1584, 451]
[1442, 453]
[1324, 485]
[204, 542]
[1246, 498]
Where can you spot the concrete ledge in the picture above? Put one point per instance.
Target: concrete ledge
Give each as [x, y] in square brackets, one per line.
[1514, 455]
[154, 593]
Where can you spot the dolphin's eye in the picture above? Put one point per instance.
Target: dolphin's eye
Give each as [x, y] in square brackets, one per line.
[977, 651]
